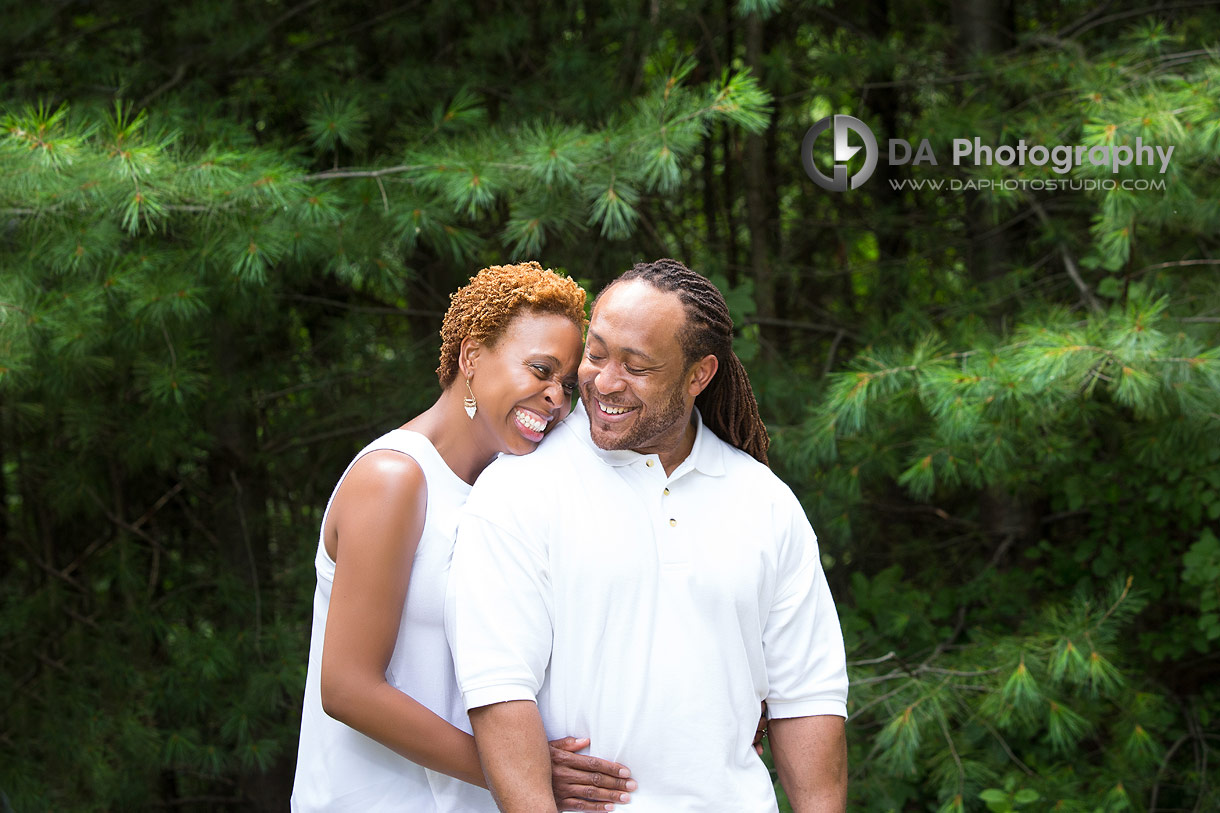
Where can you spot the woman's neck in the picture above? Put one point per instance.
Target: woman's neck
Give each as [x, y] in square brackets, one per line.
[461, 442]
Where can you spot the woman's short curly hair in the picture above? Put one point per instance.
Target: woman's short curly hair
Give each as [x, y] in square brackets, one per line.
[483, 308]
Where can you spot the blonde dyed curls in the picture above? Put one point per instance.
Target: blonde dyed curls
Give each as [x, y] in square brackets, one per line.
[484, 308]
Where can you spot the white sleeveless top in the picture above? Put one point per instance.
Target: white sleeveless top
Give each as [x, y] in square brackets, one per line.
[340, 769]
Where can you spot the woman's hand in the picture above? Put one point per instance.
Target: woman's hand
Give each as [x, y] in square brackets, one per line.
[760, 733]
[583, 782]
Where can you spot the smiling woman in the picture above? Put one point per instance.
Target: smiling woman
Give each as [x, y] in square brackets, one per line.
[520, 383]
[383, 725]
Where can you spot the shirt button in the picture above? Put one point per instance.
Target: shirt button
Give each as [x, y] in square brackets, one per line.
[648, 464]
[666, 492]
[673, 523]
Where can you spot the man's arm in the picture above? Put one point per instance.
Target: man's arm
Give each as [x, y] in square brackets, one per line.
[807, 672]
[811, 759]
[516, 760]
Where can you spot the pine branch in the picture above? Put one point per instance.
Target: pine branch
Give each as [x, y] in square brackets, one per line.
[332, 174]
[889, 656]
[50, 570]
[1173, 264]
[245, 533]
[1068, 262]
[169, 84]
[1156, 784]
[1138, 12]
[961, 774]
[1121, 598]
[801, 325]
[1007, 749]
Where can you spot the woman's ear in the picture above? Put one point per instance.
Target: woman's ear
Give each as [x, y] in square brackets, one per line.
[468, 354]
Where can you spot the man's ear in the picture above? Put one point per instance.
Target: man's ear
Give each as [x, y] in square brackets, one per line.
[468, 354]
[702, 373]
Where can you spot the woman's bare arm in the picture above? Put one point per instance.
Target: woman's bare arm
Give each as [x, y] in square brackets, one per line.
[375, 524]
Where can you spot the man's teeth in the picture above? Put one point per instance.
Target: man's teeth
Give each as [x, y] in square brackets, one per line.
[530, 422]
[612, 410]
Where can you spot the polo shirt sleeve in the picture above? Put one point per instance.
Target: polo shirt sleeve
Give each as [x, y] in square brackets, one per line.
[802, 641]
[498, 612]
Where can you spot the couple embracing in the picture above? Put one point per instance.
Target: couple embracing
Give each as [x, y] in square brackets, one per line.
[630, 578]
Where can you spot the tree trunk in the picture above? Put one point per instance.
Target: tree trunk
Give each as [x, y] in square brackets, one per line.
[757, 183]
[984, 28]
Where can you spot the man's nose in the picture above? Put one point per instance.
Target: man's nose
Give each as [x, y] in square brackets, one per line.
[609, 378]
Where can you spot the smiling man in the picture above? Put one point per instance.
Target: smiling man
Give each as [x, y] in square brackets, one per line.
[643, 579]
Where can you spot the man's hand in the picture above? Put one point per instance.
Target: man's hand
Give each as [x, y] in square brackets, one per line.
[583, 782]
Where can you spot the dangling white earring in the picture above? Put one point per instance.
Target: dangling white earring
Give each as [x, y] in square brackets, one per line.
[470, 404]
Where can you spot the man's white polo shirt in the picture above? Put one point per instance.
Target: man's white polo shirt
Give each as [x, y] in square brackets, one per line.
[649, 613]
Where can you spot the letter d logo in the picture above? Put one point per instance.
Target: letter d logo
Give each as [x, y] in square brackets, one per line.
[842, 152]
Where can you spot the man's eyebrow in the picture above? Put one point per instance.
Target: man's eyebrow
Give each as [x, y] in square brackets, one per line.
[631, 351]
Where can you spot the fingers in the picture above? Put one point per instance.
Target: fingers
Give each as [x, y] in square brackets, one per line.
[583, 782]
[572, 744]
[582, 804]
[761, 731]
[593, 765]
[604, 783]
[596, 797]
[585, 791]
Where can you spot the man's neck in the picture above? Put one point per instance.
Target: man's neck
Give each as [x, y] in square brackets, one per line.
[672, 454]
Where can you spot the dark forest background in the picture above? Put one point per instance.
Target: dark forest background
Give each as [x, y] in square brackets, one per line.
[227, 235]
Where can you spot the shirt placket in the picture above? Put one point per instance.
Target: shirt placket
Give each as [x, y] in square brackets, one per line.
[670, 526]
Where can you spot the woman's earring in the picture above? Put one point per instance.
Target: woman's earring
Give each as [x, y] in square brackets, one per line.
[471, 405]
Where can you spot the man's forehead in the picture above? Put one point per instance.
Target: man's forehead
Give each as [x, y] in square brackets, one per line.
[639, 301]
[637, 314]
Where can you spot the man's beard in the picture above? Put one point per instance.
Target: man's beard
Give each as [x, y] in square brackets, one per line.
[645, 428]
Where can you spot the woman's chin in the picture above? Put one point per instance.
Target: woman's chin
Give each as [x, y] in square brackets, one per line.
[523, 445]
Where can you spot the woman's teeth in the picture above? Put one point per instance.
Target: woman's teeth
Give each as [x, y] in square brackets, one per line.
[530, 422]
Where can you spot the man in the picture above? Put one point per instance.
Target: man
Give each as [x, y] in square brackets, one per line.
[647, 580]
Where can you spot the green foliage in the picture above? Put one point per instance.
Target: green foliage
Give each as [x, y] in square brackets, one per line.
[1026, 417]
[338, 122]
[227, 239]
[944, 419]
[209, 301]
[1202, 570]
[1004, 801]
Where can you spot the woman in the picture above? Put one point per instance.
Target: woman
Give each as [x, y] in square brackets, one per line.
[380, 684]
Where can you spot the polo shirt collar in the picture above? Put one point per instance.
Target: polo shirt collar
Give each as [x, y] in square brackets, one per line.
[706, 456]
